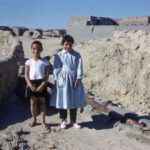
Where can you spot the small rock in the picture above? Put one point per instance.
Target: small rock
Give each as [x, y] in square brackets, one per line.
[140, 127]
[18, 130]
[24, 146]
[52, 145]
[14, 145]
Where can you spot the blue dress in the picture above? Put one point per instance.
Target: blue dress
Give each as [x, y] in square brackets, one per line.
[67, 69]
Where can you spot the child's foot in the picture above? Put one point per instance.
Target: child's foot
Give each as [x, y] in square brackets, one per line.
[63, 125]
[77, 126]
[32, 124]
[45, 129]
[44, 126]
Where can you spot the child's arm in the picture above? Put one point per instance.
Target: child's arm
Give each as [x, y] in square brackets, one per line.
[27, 78]
[79, 71]
[57, 68]
[75, 84]
[79, 68]
[43, 84]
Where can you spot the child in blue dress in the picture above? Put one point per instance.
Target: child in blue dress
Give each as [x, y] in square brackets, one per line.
[69, 91]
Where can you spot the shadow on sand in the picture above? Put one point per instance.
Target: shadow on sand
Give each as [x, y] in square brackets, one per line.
[102, 121]
[99, 122]
[17, 110]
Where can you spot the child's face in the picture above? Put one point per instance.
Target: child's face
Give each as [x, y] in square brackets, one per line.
[67, 46]
[36, 50]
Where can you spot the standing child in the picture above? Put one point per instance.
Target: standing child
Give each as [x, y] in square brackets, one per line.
[69, 92]
[36, 75]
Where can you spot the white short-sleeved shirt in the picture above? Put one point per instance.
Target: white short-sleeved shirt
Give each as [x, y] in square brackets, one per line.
[37, 68]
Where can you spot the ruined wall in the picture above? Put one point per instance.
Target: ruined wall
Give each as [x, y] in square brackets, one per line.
[11, 54]
[77, 27]
[134, 20]
[91, 20]
[19, 30]
[84, 33]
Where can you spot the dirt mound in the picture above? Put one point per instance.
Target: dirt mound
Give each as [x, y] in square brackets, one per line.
[118, 68]
[10, 46]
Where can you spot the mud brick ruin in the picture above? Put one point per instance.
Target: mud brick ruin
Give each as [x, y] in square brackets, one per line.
[89, 27]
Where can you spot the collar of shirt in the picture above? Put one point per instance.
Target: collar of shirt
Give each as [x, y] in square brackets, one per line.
[36, 60]
[64, 51]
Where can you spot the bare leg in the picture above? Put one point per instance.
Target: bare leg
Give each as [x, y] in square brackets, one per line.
[43, 110]
[33, 107]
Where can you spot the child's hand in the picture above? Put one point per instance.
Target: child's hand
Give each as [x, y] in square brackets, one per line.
[55, 82]
[33, 89]
[75, 83]
[40, 88]
[81, 110]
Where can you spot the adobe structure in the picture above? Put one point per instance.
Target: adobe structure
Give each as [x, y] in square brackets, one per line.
[6, 28]
[19, 30]
[135, 21]
[55, 33]
[84, 28]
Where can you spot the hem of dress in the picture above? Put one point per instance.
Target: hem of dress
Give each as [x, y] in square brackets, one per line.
[68, 107]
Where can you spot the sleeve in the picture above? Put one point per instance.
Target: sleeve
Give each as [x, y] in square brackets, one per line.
[79, 68]
[57, 67]
[50, 69]
[47, 63]
[27, 63]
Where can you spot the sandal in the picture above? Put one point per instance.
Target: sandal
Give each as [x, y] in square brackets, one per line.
[63, 125]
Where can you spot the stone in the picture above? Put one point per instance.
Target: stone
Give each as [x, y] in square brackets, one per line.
[18, 130]
[11, 53]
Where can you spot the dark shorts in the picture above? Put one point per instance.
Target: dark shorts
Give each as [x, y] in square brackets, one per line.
[36, 83]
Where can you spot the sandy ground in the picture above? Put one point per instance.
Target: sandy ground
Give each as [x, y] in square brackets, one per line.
[93, 136]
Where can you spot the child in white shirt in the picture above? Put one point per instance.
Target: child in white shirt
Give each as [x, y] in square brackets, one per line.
[36, 75]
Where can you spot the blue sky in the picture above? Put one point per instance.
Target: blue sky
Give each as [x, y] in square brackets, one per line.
[48, 14]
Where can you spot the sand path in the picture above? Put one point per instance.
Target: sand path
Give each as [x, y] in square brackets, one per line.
[93, 135]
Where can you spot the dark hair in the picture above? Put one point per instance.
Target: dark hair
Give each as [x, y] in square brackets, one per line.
[47, 58]
[37, 43]
[67, 38]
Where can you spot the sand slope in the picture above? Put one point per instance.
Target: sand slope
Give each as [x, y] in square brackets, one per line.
[118, 68]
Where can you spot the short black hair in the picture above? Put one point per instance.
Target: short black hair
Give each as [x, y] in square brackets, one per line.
[67, 38]
[37, 43]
